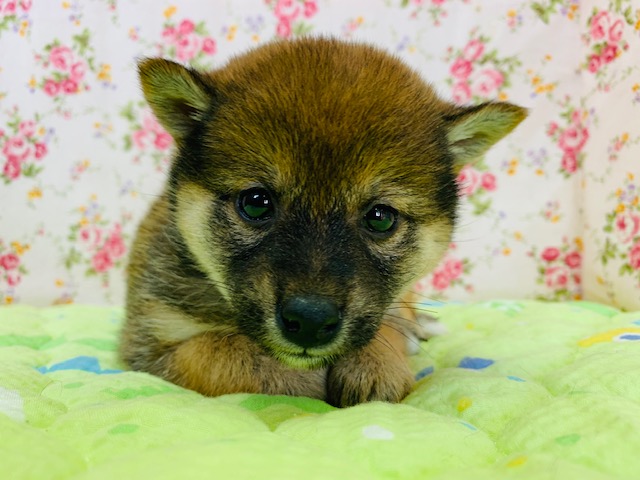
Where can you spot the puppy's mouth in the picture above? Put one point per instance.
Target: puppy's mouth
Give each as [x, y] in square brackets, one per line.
[306, 359]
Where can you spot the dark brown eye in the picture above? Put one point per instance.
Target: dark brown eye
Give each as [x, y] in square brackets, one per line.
[381, 219]
[255, 205]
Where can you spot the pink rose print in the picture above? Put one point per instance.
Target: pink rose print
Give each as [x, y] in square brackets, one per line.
[21, 147]
[453, 268]
[609, 53]
[188, 47]
[595, 62]
[571, 139]
[61, 58]
[78, 70]
[287, 9]
[27, 128]
[549, 254]
[17, 148]
[90, 236]
[9, 261]
[13, 279]
[51, 88]
[469, 180]
[9, 7]
[627, 226]
[621, 249]
[151, 131]
[115, 245]
[569, 162]
[11, 268]
[187, 41]
[14, 12]
[310, 8]
[487, 82]
[475, 184]
[615, 31]
[12, 169]
[573, 260]
[559, 270]
[440, 280]
[606, 37]
[449, 273]
[163, 141]
[69, 86]
[284, 28]
[65, 67]
[634, 256]
[186, 27]
[102, 261]
[291, 15]
[473, 50]
[461, 69]
[209, 46]
[488, 181]
[556, 277]
[146, 137]
[461, 93]
[477, 73]
[600, 25]
[40, 150]
[96, 245]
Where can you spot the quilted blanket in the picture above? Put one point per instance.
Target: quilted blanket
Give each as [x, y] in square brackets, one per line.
[523, 390]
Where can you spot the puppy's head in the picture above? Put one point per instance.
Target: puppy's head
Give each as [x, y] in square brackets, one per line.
[314, 180]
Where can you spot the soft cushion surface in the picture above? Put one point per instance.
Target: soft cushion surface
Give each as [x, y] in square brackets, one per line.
[523, 390]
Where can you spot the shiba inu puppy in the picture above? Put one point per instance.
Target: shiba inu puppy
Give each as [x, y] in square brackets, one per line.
[313, 182]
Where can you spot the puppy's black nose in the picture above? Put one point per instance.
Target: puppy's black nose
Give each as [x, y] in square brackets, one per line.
[309, 321]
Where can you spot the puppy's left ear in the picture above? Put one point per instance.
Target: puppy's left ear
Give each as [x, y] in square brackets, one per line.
[178, 96]
[471, 131]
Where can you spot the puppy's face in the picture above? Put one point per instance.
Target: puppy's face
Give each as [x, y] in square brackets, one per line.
[313, 182]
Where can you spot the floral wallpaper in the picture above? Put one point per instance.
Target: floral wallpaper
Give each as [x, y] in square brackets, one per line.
[552, 212]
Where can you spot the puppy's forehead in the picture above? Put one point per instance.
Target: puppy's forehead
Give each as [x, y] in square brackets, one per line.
[334, 120]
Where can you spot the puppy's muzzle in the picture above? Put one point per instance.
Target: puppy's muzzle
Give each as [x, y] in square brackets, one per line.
[309, 321]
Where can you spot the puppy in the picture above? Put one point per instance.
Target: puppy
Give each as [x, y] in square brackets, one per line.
[313, 182]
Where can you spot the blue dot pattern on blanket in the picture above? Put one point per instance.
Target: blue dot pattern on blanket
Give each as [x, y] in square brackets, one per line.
[628, 337]
[87, 364]
[475, 363]
[424, 372]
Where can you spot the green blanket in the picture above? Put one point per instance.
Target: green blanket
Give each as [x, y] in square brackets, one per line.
[522, 390]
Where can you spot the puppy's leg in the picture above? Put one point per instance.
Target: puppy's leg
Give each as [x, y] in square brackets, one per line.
[214, 364]
[379, 371]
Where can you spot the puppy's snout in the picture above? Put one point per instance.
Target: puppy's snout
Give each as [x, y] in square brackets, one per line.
[309, 321]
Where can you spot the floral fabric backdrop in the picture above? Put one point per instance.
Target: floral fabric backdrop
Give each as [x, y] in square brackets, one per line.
[551, 212]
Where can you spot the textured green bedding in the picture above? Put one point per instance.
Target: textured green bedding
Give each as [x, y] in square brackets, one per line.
[516, 390]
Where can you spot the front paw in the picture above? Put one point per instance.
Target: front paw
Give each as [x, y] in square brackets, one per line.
[366, 378]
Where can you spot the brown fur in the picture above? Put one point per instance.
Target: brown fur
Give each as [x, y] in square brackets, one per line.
[328, 129]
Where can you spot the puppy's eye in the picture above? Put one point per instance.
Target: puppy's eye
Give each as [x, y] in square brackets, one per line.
[255, 205]
[381, 219]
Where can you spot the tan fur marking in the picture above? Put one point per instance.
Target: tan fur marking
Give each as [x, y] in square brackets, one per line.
[194, 208]
[216, 365]
[170, 325]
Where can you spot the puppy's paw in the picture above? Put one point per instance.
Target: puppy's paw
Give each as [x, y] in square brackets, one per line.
[366, 378]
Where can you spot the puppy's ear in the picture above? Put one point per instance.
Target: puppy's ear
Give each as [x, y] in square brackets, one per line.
[471, 131]
[178, 96]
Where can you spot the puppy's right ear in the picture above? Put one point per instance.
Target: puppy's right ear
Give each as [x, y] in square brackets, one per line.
[178, 96]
